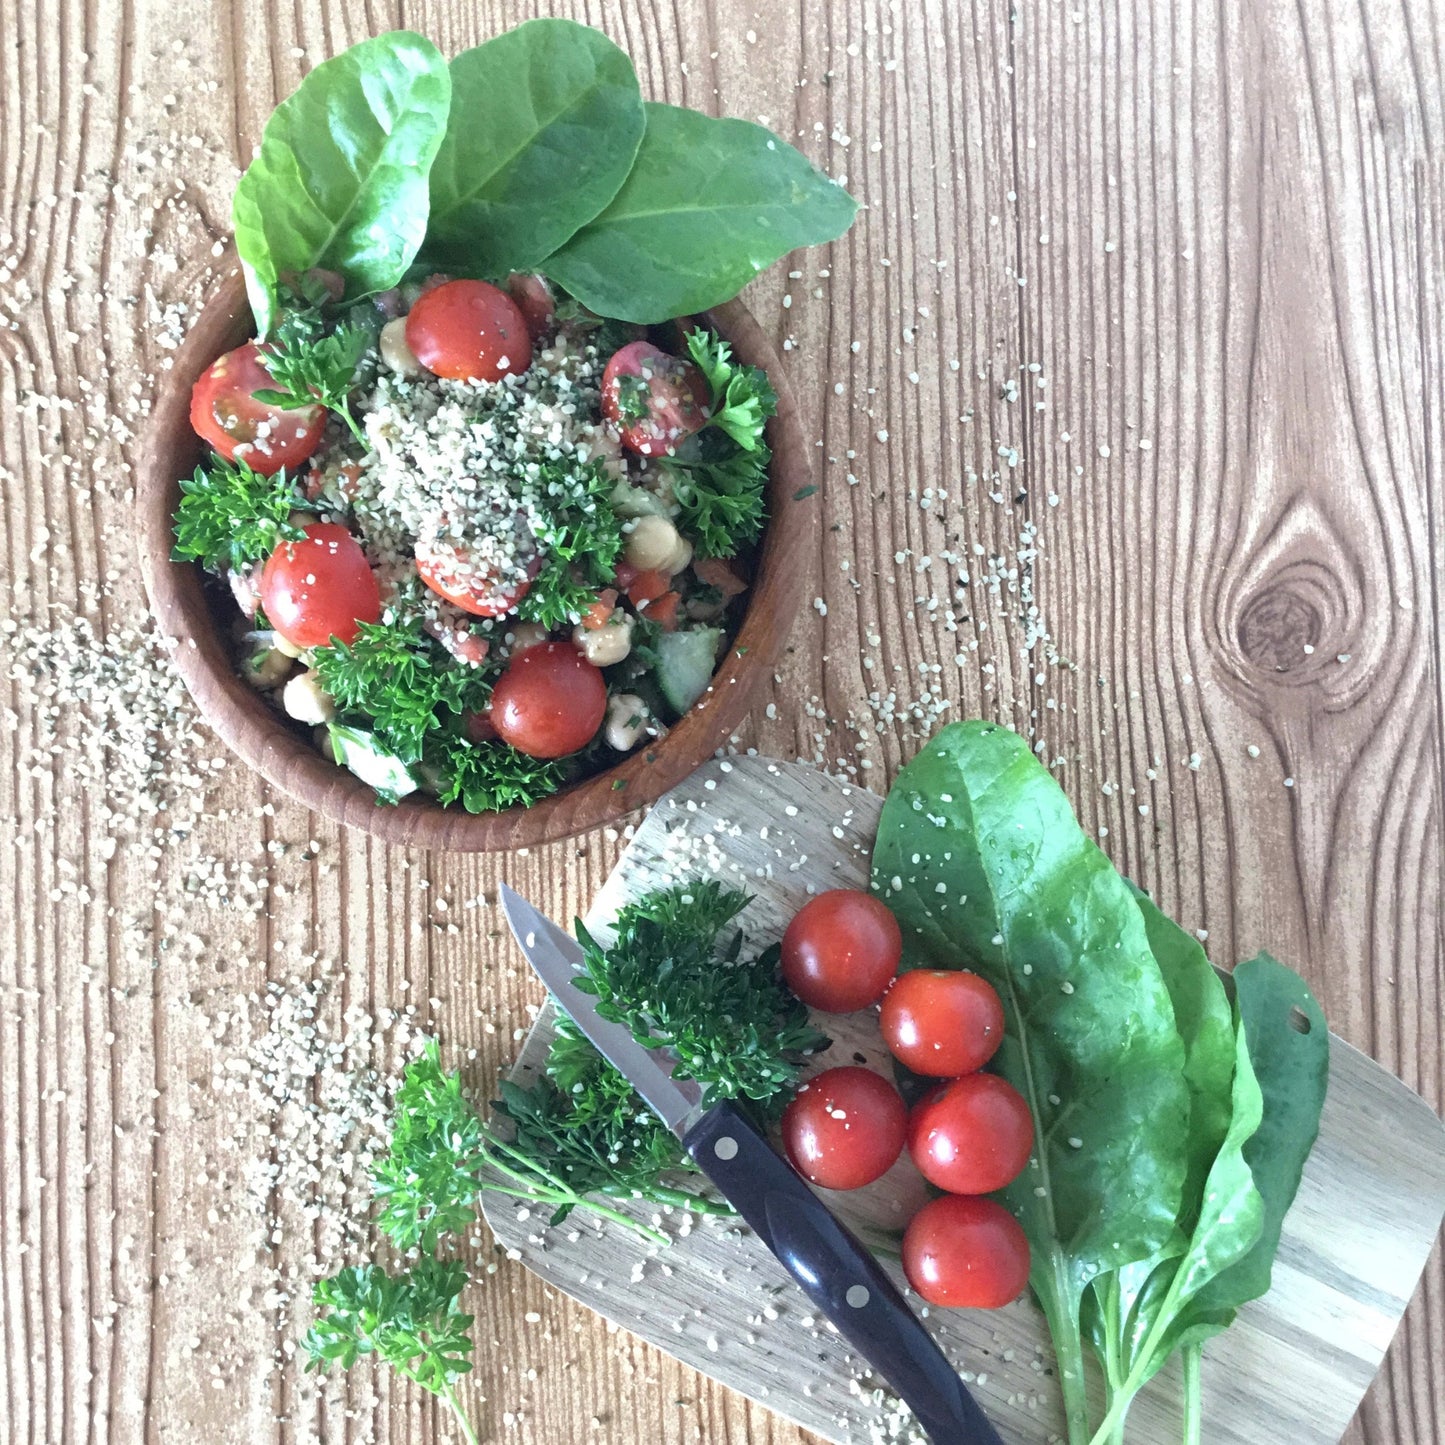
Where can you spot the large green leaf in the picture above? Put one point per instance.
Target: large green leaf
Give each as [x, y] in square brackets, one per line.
[341, 179]
[709, 204]
[546, 121]
[982, 860]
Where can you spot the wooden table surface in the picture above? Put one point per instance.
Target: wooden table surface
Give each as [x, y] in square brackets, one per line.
[1143, 327]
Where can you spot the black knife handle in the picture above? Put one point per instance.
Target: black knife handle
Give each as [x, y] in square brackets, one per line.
[837, 1273]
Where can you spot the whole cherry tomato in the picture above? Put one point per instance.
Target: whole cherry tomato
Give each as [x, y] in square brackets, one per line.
[468, 331]
[968, 1253]
[971, 1136]
[321, 589]
[941, 1022]
[845, 1128]
[841, 950]
[226, 414]
[549, 702]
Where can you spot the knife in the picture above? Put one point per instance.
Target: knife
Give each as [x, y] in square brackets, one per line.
[834, 1269]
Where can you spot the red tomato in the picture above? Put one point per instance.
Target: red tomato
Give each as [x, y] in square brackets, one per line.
[663, 611]
[655, 400]
[226, 414]
[532, 296]
[971, 1136]
[966, 1253]
[549, 702]
[446, 568]
[942, 1022]
[845, 1128]
[841, 950]
[468, 331]
[320, 589]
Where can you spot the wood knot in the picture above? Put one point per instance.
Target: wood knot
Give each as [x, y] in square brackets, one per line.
[1280, 629]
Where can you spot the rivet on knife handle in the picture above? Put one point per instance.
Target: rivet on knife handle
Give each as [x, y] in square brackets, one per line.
[837, 1273]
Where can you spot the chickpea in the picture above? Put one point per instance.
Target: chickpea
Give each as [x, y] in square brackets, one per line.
[602, 646]
[654, 544]
[395, 353]
[524, 635]
[307, 701]
[267, 669]
[627, 720]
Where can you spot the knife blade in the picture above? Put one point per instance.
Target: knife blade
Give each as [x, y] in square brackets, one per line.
[831, 1265]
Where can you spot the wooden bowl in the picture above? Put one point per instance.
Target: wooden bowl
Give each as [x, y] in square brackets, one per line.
[285, 756]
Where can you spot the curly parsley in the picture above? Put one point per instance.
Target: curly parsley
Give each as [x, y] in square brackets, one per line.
[312, 364]
[490, 777]
[231, 516]
[580, 540]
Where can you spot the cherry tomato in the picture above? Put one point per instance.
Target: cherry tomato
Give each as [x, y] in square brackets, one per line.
[655, 400]
[841, 950]
[225, 414]
[971, 1136]
[549, 702]
[532, 296]
[446, 568]
[941, 1022]
[845, 1128]
[468, 331]
[320, 589]
[966, 1253]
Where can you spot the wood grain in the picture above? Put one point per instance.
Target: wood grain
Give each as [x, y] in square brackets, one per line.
[1243, 207]
[1295, 1364]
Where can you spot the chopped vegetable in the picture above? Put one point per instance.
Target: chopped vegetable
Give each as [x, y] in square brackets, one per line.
[685, 663]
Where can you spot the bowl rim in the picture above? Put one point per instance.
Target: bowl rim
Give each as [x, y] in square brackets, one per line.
[249, 726]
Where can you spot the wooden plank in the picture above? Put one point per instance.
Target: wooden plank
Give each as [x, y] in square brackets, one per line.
[1296, 1363]
[1270, 178]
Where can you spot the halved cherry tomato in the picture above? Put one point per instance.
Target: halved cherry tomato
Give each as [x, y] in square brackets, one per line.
[663, 611]
[321, 589]
[549, 702]
[645, 587]
[532, 296]
[468, 331]
[718, 572]
[971, 1136]
[655, 400]
[841, 950]
[226, 414]
[845, 1128]
[941, 1022]
[966, 1253]
[446, 568]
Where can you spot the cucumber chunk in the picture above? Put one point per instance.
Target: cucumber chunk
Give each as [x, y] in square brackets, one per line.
[357, 749]
[685, 663]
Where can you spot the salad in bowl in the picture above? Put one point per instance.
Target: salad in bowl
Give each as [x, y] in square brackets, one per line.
[486, 494]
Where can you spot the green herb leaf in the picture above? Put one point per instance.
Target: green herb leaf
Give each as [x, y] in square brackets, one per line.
[313, 366]
[729, 1021]
[742, 397]
[982, 860]
[231, 516]
[411, 1321]
[490, 777]
[403, 681]
[707, 205]
[341, 179]
[580, 538]
[548, 121]
[720, 491]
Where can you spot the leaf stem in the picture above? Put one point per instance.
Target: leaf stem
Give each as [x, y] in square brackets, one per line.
[343, 410]
[1144, 1367]
[1192, 1356]
[450, 1396]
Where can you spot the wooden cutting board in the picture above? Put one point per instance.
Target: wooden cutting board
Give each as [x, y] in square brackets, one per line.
[1293, 1368]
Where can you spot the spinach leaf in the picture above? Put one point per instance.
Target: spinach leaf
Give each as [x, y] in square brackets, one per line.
[341, 179]
[546, 121]
[980, 857]
[708, 204]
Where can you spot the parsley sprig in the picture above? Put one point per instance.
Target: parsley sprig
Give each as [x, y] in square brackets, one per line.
[490, 777]
[443, 1157]
[580, 538]
[729, 1021]
[231, 516]
[410, 1321]
[720, 474]
[312, 364]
